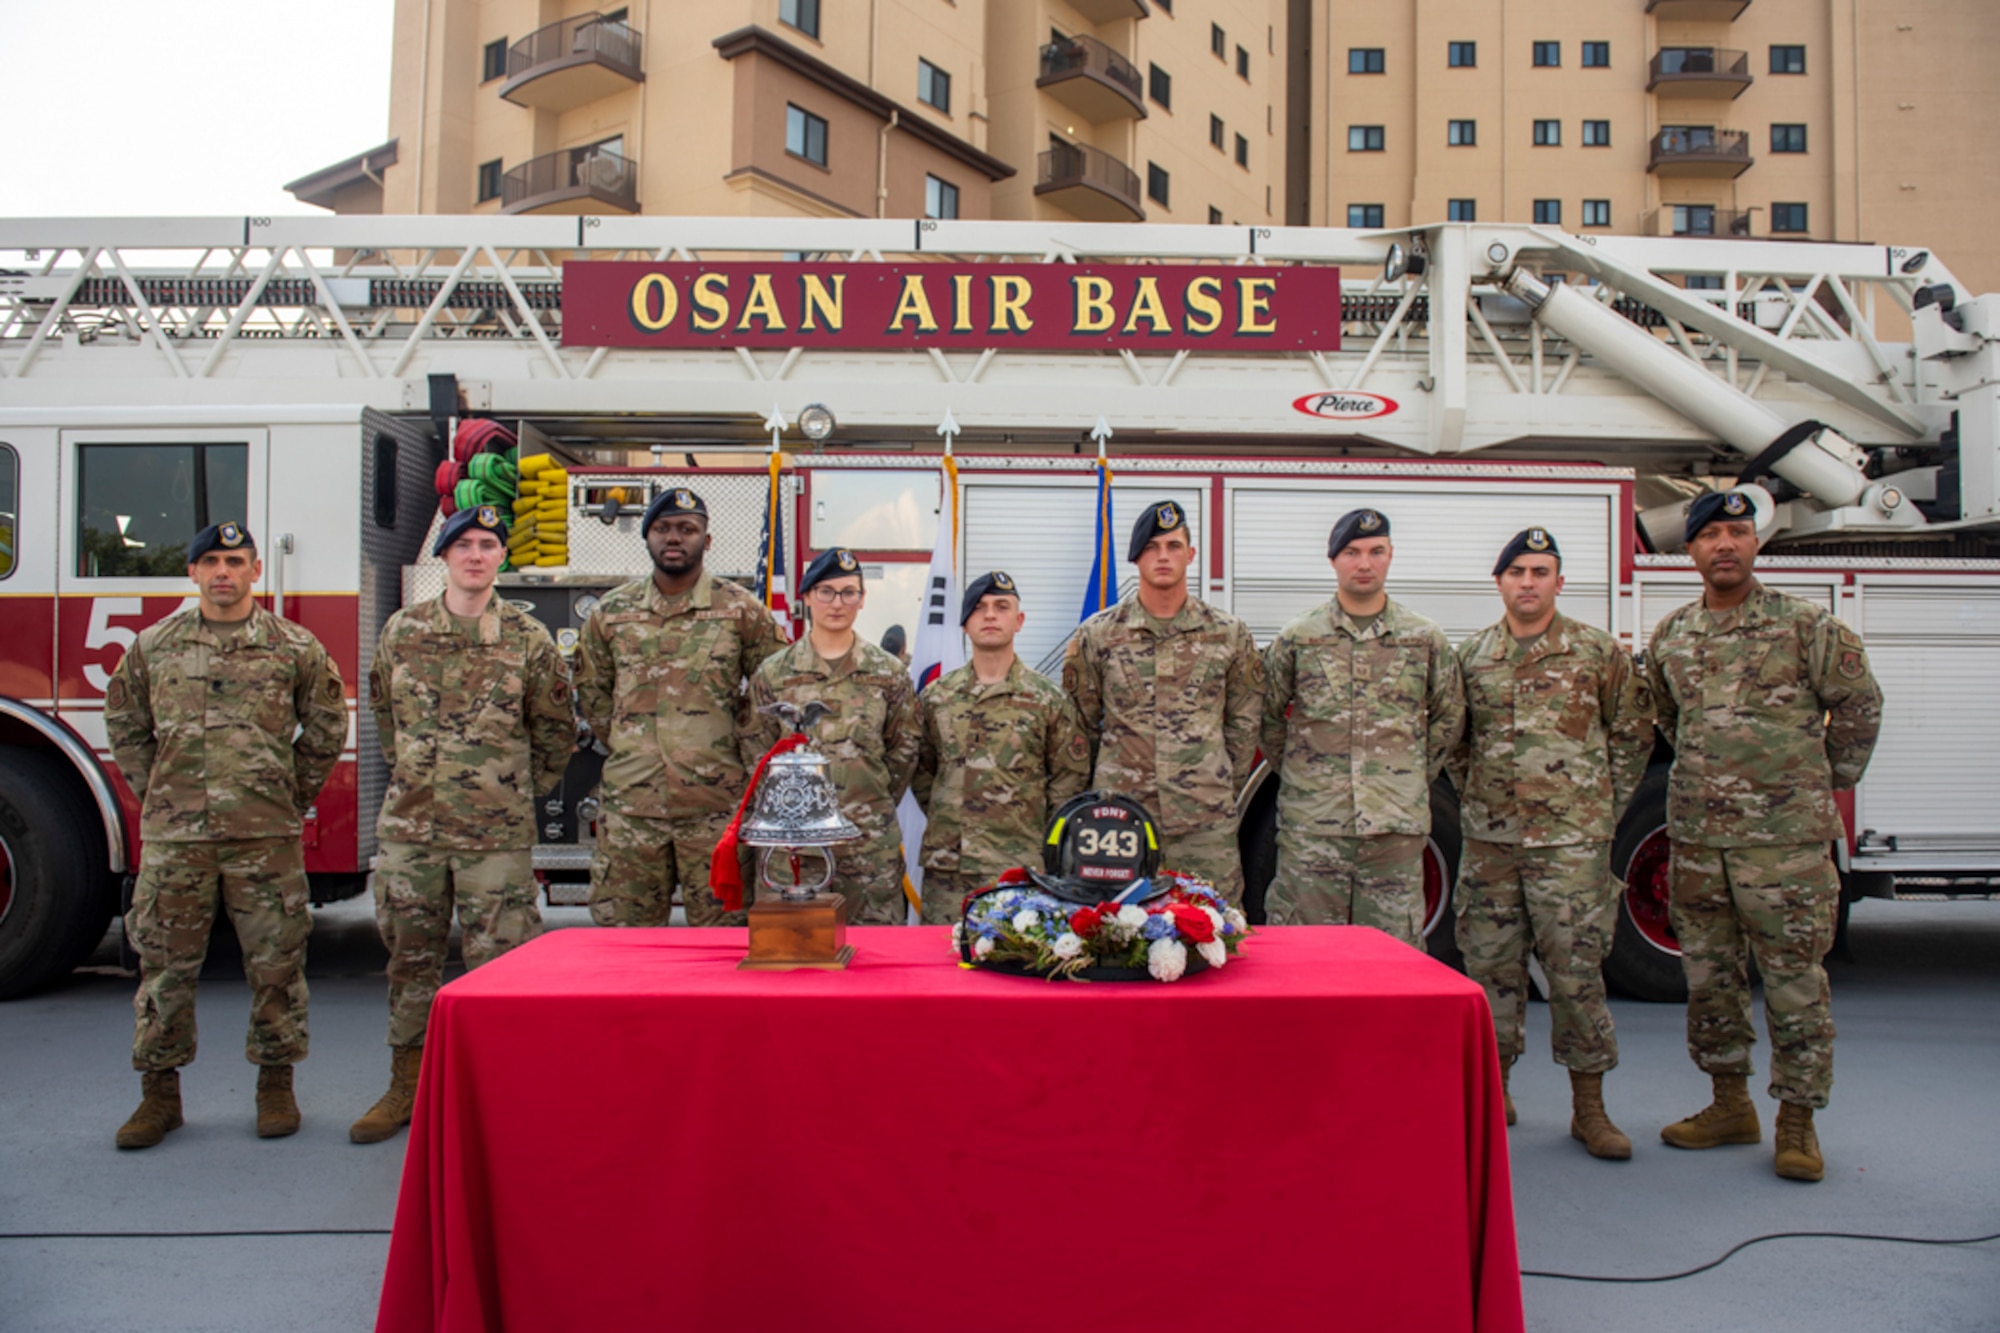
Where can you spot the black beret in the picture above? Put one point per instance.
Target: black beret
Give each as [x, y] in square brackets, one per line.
[1354, 525]
[676, 500]
[1528, 541]
[1718, 504]
[986, 585]
[835, 562]
[230, 536]
[1157, 518]
[487, 518]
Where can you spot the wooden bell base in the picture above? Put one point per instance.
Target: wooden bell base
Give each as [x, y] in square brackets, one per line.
[788, 935]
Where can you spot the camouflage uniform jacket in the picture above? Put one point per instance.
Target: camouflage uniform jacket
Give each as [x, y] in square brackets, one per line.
[474, 729]
[202, 725]
[1771, 709]
[660, 680]
[1359, 723]
[1557, 737]
[997, 760]
[1172, 713]
[871, 734]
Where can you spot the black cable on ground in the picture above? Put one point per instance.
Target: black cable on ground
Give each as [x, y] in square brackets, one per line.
[187, 1235]
[1734, 1250]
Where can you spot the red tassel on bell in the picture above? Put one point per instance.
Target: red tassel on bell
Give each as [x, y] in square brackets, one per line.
[725, 874]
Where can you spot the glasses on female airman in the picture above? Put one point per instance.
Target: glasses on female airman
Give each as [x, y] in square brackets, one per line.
[847, 596]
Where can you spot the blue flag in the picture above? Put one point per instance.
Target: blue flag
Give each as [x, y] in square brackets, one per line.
[1102, 590]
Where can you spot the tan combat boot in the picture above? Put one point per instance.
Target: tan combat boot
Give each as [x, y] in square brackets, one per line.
[1798, 1145]
[277, 1111]
[159, 1112]
[1506, 1072]
[1730, 1118]
[1589, 1124]
[392, 1111]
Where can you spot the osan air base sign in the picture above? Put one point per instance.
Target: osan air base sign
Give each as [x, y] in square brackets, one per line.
[1033, 306]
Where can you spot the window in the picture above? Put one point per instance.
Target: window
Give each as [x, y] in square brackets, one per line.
[940, 198]
[1215, 131]
[1788, 218]
[1597, 55]
[1364, 215]
[1687, 60]
[1461, 55]
[1788, 60]
[1461, 210]
[1242, 63]
[800, 14]
[493, 61]
[1242, 151]
[1788, 138]
[1157, 184]
[1548, 133]
[933, 86]
[1214, 217]
[1364, 60]
[1702, 282]
[1597, 212]
[10, 509]
[1596, 134]
[805, 135]
[137, 504]
[1694, 219]
[1461, 133]
[1548, 212]
[1218, 42]
[1364, 138]
[1548, 54]
[489, 180]
[1160, 85]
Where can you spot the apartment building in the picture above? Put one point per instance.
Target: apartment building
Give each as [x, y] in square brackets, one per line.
[1850, 120]
[1120, 110]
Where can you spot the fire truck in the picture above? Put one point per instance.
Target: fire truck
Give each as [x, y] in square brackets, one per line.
[309, 376]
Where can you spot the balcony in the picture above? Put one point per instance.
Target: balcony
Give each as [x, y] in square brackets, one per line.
[1092, 80]
[1698, 11]
[1696, 220]
[1699, 71]
[1089, 183]
[575, 180]
[1109, 11]
[567, 64]
[1697, 151]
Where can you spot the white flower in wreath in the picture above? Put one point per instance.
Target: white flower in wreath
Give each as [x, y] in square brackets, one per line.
[1213, 952]
[1214, 917]
[981, 947]
[1166, 959]
[1068, 945]
[1026, 920]
[1131, 916]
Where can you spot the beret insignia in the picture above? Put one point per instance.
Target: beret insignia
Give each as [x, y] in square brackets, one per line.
[846, 560]
[1538, 540]
[489, 517]
[683, 499]
[1735, 504]
[230, 534]
[1370, 520]
[1000, 580]
[1167, 516]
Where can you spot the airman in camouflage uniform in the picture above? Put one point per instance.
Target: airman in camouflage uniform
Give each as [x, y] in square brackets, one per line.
[1362, 709]
[660, 667]
[1002, 750]
[226, 721]
[1771, 708]
[1169, 690]
[1559, 729]
[870, 735]
[471, 701]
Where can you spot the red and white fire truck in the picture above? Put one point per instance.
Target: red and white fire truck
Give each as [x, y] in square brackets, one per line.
[305, 376]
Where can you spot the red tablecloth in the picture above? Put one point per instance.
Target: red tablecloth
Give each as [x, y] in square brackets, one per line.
[616, 1129]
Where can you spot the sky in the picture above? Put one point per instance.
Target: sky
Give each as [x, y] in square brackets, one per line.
[184, 107]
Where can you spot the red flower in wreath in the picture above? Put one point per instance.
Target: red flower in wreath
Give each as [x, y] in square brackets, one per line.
[1192, 923]
[1086, 921]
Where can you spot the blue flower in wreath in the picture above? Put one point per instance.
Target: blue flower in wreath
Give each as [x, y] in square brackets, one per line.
[1159, 926]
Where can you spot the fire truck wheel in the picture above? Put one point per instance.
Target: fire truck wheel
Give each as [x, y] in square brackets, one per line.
[1645, 961]
[1441, 852]
[53, 904]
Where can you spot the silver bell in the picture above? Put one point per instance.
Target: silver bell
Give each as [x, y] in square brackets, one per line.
[797, 808]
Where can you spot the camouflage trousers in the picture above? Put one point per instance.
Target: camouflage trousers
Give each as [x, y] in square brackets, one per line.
[945, 892]
[1207, 854]
[261, 884]
[869, 873]
[1777, 904]
[416, 888]
[640, 862]
[1558, 901]
[1375, 882]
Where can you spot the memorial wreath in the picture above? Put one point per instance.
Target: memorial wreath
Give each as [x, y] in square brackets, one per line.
[1181, 926]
